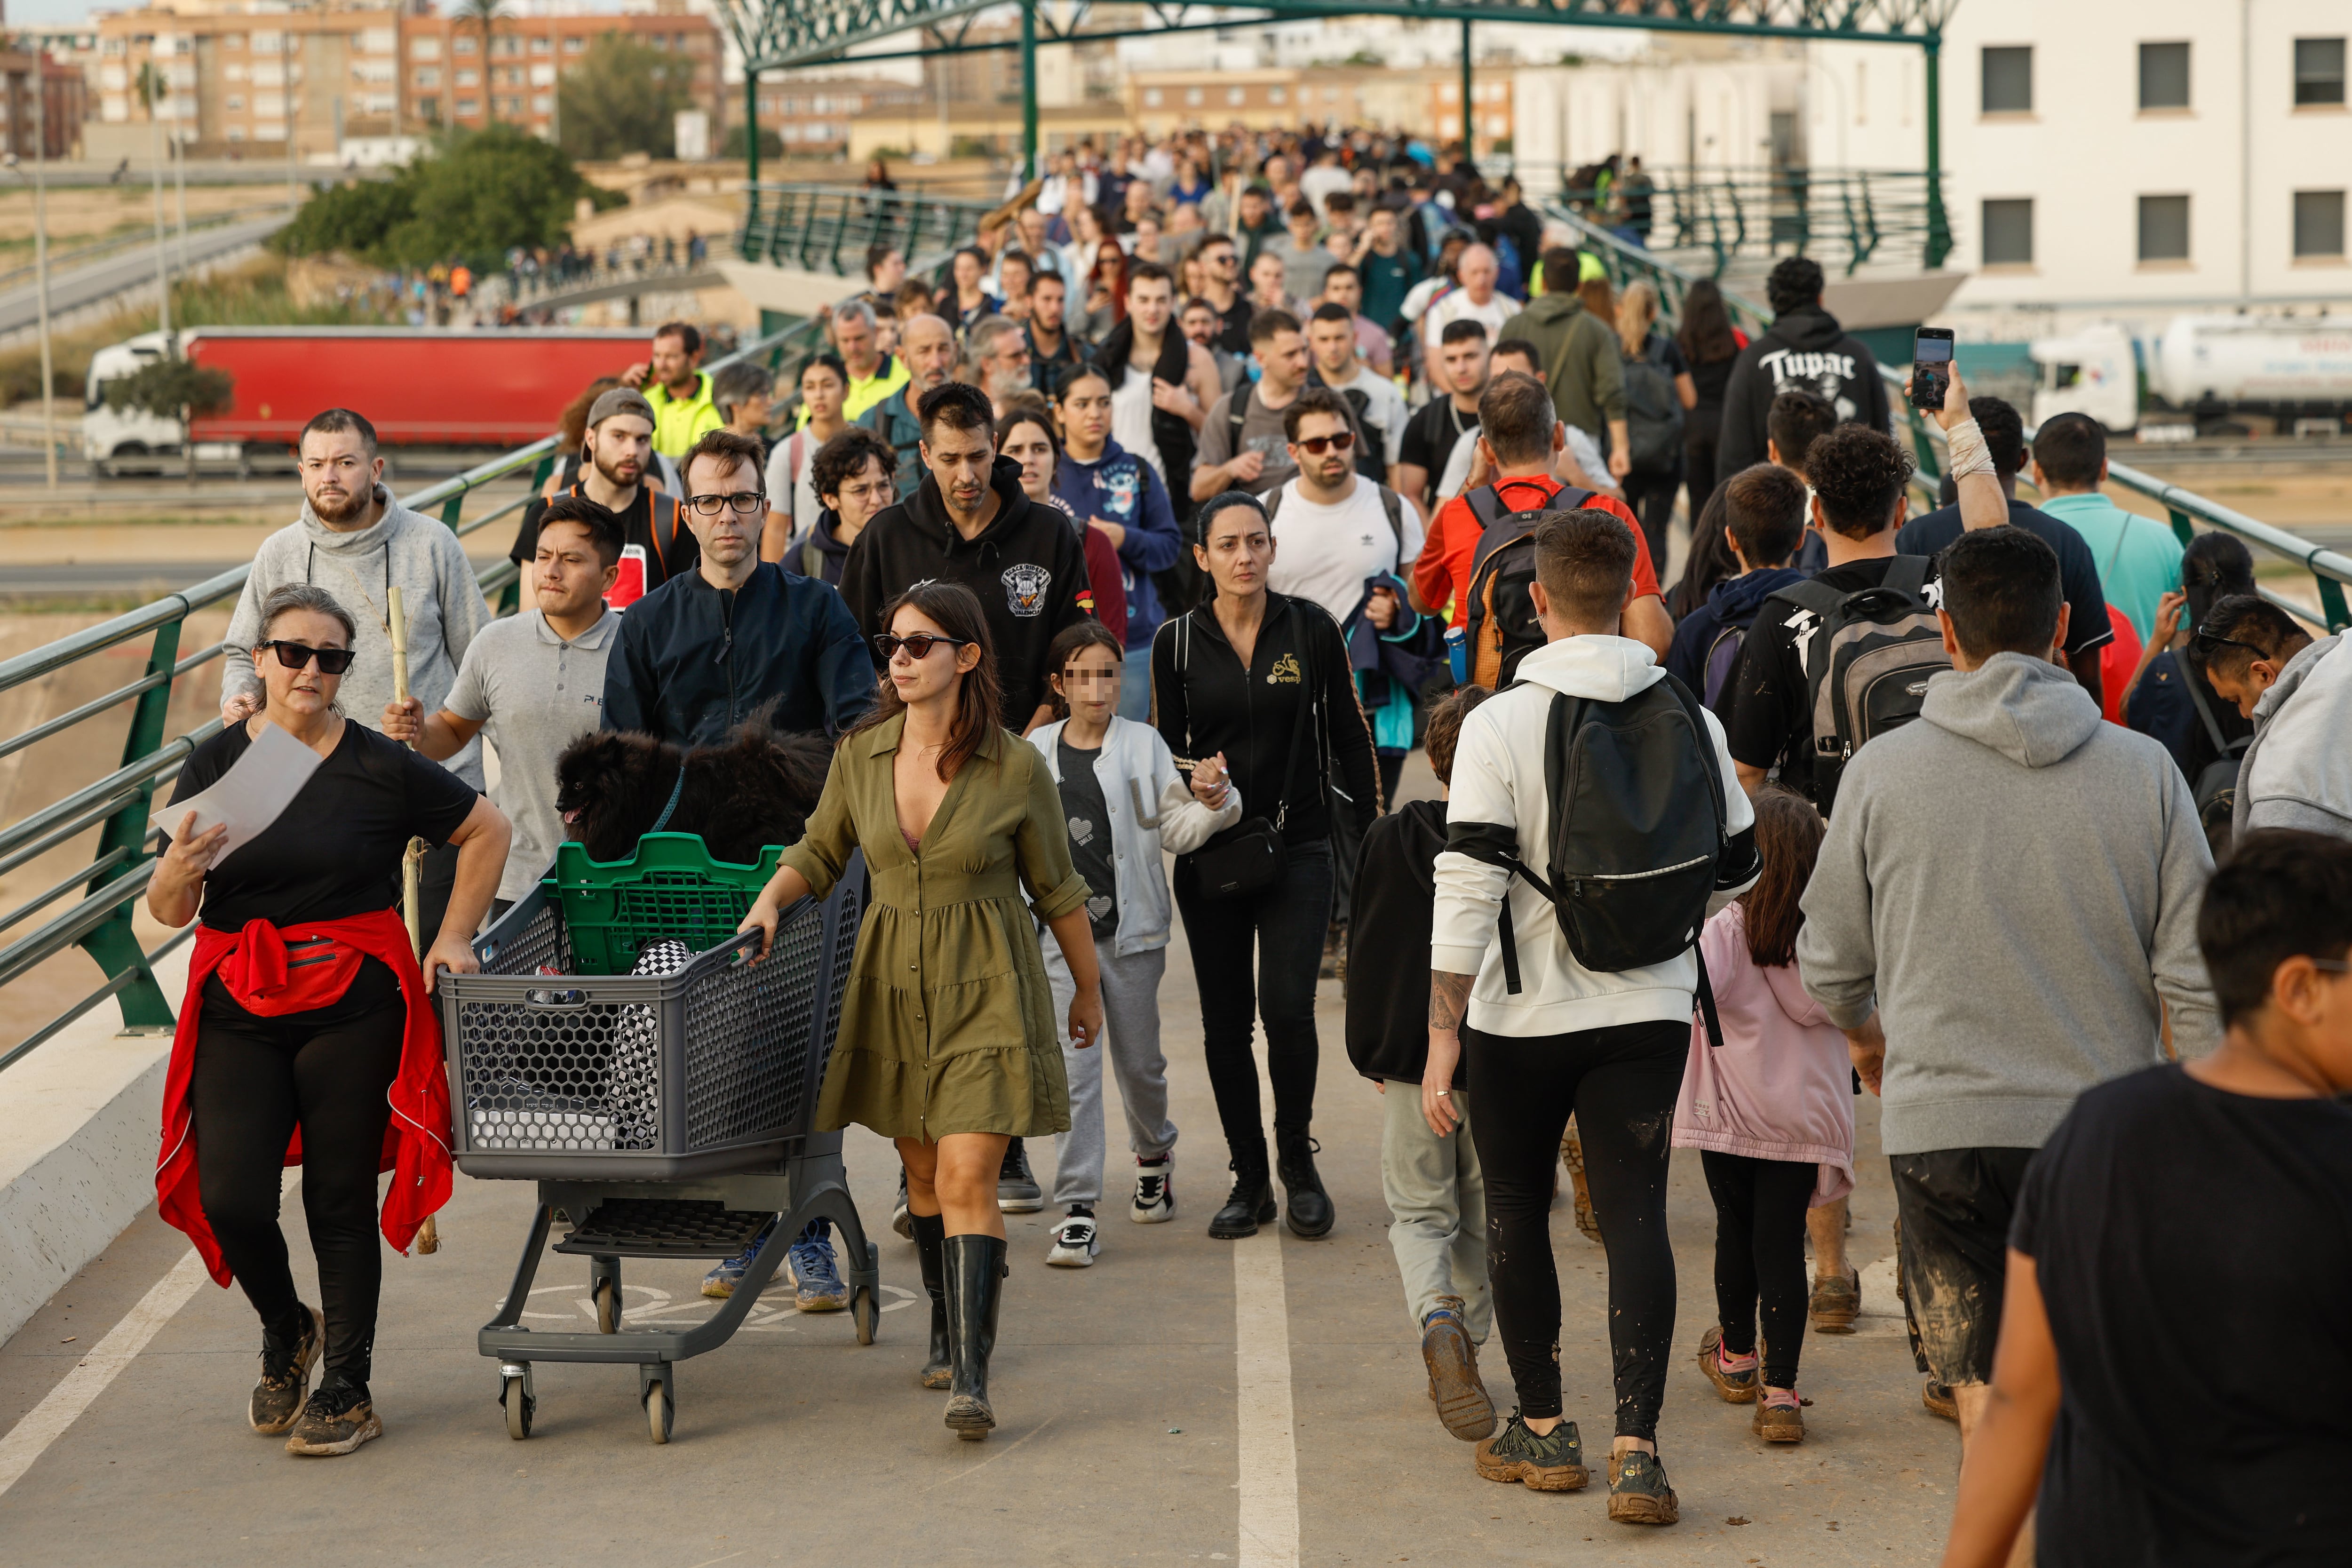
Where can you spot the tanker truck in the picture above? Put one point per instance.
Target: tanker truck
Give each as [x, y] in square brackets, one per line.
[2296, 369]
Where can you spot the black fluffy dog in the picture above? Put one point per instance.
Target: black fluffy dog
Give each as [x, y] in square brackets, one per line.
[756, 790]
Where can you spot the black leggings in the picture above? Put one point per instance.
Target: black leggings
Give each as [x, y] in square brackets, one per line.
[327, 1071]
[1651, 498]
[1621, 1082]
[1759, 1250]
[1260, 955]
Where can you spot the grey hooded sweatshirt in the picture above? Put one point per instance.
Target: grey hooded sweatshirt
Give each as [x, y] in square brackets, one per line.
[404, 550]
[2012, 883]
[2297, 772]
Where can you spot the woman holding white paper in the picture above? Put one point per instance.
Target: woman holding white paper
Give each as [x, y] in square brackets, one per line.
[306, 1036]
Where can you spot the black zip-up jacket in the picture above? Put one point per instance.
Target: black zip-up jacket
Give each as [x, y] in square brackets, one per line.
[695, 661]
[1028, 567]
[1252, 716]
[1806, 348]
[1394, 901]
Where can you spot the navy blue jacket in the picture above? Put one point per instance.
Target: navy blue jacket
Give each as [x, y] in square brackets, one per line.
[696, 662]
[1122, 488]
[1728, 603]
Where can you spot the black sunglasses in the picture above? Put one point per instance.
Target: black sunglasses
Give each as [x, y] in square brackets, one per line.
[1316, 446]
[2207, 640]
[712, 506]
[918, 646]
[295, 654]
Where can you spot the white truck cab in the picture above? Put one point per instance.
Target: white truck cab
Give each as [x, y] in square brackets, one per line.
[2094, 372]
[128, 440]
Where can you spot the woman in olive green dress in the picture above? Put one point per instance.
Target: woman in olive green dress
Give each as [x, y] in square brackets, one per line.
[947, 1042]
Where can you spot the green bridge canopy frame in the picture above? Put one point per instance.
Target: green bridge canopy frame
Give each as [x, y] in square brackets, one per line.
[777, 35]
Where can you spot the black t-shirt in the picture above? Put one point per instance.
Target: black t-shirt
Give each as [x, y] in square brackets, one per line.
[1710, 379]
[2078, 574]
[335, 850]
[1089, 823]
[1430, 437]
[669, 549]
[1771, 706]
[2194, 1253]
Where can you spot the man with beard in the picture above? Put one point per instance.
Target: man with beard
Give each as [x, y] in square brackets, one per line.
[358, 543]
[656, 543]
[677, 388]
[927, 346]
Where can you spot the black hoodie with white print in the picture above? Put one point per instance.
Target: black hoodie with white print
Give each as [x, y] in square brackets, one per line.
[1806, 348]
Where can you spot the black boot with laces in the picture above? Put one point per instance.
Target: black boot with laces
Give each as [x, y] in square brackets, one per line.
[1251, 1203]
[286, 1362]
[1308, 1206]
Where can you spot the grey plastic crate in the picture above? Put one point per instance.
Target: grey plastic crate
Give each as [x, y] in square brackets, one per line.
[711, 1070]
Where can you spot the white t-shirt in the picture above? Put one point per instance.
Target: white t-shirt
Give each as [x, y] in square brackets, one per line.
[782, 479]
[1325, 553]
[1384, 409]
[1457, 307]
[1457, 466]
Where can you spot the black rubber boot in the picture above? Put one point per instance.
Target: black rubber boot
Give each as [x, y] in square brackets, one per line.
[930, 1250]
[1306, 1206]
[1250, 1203]
[975, 1278]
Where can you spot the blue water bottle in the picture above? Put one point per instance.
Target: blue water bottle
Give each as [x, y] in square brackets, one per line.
[1457, 652]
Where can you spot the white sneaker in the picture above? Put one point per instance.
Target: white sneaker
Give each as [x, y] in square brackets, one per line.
[1074, 1242]
[1155, 1191]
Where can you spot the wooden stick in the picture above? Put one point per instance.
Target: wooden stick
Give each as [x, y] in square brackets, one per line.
[412, 860]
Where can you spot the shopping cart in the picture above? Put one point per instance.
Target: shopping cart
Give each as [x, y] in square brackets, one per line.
[663, 1115]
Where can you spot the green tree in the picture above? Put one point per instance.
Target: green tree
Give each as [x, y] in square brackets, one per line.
[623, 98]
[484, 17]
[479, 195]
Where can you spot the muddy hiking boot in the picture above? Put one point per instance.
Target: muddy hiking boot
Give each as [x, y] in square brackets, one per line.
[339, 1418]
[1307, 1207]
[1455, 1386]
[1780, 1416]
[1249, 1205]
[286, 1364]
[931, 1252]
[975, 1281]
[1835, 1303]
[1638, 1492]
[1553, 1462]
[1736, 1385]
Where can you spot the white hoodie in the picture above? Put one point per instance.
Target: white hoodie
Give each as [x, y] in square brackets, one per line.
[1498, 777]
[2298, 771]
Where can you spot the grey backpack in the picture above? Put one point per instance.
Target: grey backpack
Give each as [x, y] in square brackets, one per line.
[1866, 663]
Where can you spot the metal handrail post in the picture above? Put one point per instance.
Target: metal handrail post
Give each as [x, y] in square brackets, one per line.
[114, 945]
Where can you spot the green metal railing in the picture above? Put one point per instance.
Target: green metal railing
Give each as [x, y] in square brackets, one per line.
[1848, 218]
[98, 919]
[827, 228]
[2330, 570]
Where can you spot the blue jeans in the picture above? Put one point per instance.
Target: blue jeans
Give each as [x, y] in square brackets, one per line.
[1281, 928]
[1135, 685]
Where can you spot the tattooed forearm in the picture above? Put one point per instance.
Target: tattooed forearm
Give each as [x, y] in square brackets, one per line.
[1449, 996]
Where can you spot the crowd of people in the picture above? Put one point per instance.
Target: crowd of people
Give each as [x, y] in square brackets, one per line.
[1225, 494]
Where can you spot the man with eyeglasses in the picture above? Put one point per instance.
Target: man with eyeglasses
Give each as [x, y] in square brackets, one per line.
[737, 638]
[357, 542]
[969, 521]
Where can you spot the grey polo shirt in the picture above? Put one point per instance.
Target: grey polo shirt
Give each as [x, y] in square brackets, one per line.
[534, 694]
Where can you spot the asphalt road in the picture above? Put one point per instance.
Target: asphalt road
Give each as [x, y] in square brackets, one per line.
[20, 308]
[1184, 1401]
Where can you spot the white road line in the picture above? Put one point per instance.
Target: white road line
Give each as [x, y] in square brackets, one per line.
[1268, 1451]
[46, 1422]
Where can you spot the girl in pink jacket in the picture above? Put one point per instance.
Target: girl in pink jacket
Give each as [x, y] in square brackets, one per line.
[1771, 1113]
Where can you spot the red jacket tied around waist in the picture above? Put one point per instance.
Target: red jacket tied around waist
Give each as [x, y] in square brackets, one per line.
[252, 966]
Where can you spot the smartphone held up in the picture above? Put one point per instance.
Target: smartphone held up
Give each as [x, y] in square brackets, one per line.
[1931, 360]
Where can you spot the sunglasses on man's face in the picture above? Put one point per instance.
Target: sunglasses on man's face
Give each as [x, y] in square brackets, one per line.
[918, 647]
[1316, 446]
[296, 655]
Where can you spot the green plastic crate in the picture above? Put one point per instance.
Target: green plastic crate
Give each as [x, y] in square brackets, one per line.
[670, 891]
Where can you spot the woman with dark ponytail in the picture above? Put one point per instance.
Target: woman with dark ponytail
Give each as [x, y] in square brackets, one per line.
[947, 1043]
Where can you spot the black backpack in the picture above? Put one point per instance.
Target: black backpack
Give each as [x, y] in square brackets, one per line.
[1653, 413]
[1866, 663]
[1634, 861]
[2215, 787]
[1503, 627]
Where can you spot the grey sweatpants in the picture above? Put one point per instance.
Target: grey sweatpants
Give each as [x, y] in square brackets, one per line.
[1130, 990]
[1437, 1209]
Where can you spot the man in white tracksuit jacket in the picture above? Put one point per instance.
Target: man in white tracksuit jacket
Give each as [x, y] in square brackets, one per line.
[1608, 1046]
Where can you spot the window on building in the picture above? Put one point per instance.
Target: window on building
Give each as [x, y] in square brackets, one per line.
[267, 43]
[468, 78]
[429, 109]
[2319, 226]
[427, 76]
[237, 132]
[511, 104]
[468, 107]
[575, 45]
[1151, 98]
[423, 48]
[236, 101]
[541, 102]
[1194, 96]
[232, 71]
[543, 45]
[2008, 87]
[232, 40]
[2163, 76]
[2164, 228]
[1277, 95]
[2008, 225]
[377, 40]
[2319, 71]
[464, 44]
[1236, 96]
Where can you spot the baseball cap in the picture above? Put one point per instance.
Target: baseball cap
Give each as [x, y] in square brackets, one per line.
[620, 400]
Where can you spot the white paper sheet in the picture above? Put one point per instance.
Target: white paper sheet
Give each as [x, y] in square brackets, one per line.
[248, 797]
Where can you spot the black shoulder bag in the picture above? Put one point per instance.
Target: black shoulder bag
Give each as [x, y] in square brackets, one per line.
[1248, 857]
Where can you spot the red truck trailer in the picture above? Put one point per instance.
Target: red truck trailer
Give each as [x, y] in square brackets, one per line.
[419, 387]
